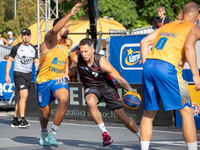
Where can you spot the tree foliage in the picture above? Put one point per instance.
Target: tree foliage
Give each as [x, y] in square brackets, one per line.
[132, 14]
[140, 12]
[26, 15]
[124, 11]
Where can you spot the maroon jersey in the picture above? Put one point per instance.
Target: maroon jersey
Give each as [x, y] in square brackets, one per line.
[93, 76]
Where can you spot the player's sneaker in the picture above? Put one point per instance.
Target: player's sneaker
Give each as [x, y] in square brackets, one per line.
[52, 139]
[23, 123]
[15, 123]
[106, 139]
[43, 137]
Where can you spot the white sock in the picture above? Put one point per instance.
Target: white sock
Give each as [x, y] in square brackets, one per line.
[102, 128]
[192, 146]
[144, 145]
[138, 134]
[54, 128]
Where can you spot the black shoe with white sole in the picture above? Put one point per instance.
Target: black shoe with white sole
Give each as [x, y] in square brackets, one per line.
[23, 123]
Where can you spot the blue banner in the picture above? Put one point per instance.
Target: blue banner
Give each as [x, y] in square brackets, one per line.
[126, 58]
[6, 90]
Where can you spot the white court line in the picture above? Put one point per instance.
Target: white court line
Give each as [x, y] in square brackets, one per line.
[94, 126]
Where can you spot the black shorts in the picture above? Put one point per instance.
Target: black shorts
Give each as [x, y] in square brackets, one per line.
[109, 94]
[22, 80]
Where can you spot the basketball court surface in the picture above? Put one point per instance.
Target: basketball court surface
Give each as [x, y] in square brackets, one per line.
[84, 135]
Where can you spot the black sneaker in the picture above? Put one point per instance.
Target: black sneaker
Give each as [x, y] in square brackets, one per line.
[23, 123]
[15, 123]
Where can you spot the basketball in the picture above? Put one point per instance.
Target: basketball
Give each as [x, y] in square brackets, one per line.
[131, 100]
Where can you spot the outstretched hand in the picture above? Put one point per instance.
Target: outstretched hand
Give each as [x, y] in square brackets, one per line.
[75, 9]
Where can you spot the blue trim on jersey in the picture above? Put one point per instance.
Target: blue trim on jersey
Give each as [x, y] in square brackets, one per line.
[46, 90]
[160, 81]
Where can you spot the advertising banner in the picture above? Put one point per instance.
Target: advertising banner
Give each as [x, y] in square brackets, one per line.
[6, 90]
[195, 96]
[77, 108]
[124, 55]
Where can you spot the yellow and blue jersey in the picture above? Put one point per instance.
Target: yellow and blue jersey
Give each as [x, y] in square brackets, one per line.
[169, 43]
[52, 62]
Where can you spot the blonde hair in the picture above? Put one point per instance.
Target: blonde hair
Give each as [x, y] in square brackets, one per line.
[160, 7]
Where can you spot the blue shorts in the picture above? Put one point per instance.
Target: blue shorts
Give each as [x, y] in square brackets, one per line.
[46, 90]
[161, 80]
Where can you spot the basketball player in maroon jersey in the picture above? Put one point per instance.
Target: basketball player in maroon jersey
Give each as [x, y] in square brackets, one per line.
[96, 74]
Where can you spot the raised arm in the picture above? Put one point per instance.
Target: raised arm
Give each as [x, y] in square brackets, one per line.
[191, 57]
[145, 43]
[109, 69]
[54, 31]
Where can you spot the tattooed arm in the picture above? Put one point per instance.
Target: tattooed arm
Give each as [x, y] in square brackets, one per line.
[108, 68]
[124, 83]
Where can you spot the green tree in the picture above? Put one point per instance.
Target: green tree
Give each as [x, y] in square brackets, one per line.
[2, 12]
[26, 15]
[124, 11]
[65, 7]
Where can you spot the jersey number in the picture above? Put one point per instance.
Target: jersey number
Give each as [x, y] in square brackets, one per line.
[161, 43]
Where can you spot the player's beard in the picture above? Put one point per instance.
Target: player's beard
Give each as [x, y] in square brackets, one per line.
[26, 41]
[64, 36]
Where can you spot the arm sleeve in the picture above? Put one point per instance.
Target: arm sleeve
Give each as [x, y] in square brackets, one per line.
[154, 24]
[14, 49]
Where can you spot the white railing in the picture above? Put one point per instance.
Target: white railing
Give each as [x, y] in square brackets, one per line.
[144, 30]
[4, 50]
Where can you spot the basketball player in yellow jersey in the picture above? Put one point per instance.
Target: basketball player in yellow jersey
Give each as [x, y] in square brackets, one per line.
[53, 75]
[173, 44]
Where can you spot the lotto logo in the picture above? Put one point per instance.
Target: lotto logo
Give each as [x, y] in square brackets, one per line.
[196, 108]
[130, 57]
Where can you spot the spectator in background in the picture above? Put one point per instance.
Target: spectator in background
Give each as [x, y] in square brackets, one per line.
[161, 19]
[3, 40]
[10, 38]
[102, 51]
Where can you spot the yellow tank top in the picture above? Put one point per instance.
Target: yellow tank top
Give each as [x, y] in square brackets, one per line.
[52, 62]
[169, 43]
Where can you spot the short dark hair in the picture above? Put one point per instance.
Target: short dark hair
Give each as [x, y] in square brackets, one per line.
[56, 21]
[86, 41]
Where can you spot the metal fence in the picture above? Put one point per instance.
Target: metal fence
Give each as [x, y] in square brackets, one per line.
[4, 50]
[145, 30]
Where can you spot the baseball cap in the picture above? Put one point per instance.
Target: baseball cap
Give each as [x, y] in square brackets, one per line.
[10, 32]
[26, 31]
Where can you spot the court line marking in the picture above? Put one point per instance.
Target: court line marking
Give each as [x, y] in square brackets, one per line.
[72, 124]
